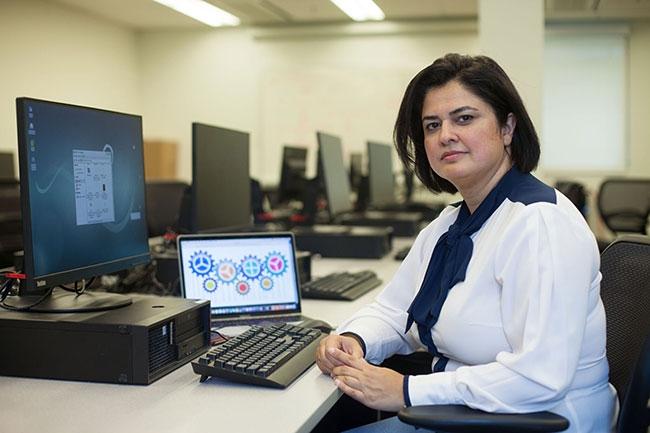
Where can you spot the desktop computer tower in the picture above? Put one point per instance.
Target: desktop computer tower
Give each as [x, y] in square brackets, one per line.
[403, 223]
[344, 241]
[136, 344]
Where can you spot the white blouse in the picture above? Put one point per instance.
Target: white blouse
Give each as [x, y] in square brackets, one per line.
[524, 332]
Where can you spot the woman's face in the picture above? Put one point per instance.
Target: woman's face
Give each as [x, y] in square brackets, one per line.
[463, 139]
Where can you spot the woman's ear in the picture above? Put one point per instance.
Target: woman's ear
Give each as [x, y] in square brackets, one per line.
[508, 129]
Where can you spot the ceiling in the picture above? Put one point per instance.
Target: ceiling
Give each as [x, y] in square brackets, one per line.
[148, 15]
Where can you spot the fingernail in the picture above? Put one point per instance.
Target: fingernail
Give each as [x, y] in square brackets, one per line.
[337, 382]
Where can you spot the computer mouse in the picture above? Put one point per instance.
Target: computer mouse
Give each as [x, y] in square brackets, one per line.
[321, 325]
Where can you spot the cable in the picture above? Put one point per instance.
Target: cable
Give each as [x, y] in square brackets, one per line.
[10, 307]
[12, 278]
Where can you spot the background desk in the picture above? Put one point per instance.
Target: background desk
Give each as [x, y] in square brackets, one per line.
[178, 403]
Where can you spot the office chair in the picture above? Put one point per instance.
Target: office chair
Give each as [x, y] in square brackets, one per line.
[625, 291]
[624, 205]
[165, 201]
[575, 192]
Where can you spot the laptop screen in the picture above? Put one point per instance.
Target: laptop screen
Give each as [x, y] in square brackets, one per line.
[241, 274]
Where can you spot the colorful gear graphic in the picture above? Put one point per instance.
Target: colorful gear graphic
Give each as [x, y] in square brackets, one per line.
[226, 271]
[201, 263]
[210, 285]
[242, 287]
[251, 267]
[266, 283]
[275, 263]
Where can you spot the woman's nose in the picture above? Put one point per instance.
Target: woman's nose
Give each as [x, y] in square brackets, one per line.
[447, 133]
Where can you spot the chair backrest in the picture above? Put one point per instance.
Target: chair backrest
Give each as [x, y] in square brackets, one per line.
[635, 414]
[164, 205]
[624, 204]
[625, 290]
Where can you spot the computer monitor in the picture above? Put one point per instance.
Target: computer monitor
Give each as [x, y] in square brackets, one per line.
[380, 174]
[82, 199]
[221, 185]
[356, 170]
[293, 174]
[335, 178]
[7, 169]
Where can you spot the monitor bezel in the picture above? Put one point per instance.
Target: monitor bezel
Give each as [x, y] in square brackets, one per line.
[34, 284]
[189, 237]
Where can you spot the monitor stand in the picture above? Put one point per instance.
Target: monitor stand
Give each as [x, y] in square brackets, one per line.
[61, 301]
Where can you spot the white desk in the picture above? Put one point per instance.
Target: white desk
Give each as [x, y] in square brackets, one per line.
[178, 403]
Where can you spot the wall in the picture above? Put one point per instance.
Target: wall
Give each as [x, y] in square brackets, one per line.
[60, 54]
[282, 85]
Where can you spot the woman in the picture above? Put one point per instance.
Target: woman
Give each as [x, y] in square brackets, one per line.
[502, 288]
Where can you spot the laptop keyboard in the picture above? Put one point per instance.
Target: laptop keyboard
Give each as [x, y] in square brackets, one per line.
[345, 286]
[273, 356]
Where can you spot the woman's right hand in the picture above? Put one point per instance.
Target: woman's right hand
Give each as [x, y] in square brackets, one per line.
[342, 342]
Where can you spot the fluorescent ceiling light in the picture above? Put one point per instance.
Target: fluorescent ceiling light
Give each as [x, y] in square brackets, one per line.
[202, 11]
[360, 10]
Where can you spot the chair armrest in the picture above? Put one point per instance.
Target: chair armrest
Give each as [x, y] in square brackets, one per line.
[462, 419]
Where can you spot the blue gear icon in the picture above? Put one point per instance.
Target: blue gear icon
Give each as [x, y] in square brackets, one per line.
[226, 271]
[210, 285]
[251, 267]
[275, 263]
[201, 263]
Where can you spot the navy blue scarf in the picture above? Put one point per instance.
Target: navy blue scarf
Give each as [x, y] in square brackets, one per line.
[453, 252]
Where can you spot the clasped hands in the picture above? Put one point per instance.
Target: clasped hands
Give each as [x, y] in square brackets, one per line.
[376, 387]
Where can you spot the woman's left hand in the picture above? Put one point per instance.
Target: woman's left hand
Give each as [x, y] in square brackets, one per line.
[376, 387]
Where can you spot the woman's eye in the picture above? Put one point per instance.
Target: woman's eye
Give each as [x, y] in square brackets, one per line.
[465, 118]
[431, 126]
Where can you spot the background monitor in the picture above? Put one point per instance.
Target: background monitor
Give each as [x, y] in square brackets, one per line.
[293, 174]
[82, 195]
[356, 170]
[221, 185]
[381, 181]
[334, 175]
[7, 169]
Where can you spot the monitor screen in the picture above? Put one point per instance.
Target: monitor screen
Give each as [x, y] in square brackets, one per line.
[334, 175]
[380, 174]
[82, 192]
[221, 190]
[292, 174]
[253, 273]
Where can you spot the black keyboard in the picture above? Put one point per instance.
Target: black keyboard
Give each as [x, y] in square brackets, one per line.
[273, 356]
[343, 286]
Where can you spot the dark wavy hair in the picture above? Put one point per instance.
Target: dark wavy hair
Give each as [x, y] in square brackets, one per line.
[484, 78]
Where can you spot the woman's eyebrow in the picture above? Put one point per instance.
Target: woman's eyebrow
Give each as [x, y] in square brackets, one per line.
[451, 113]
[463, 108]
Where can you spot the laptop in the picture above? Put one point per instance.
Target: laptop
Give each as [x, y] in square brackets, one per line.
[249, 278]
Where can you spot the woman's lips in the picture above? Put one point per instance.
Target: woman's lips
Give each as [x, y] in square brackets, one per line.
[451, 156]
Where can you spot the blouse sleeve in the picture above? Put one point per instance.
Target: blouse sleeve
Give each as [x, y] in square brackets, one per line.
[547, 266]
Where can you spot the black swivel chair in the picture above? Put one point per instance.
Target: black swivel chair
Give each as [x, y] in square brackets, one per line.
[624, 205]
[165, 201]
[625, 290]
